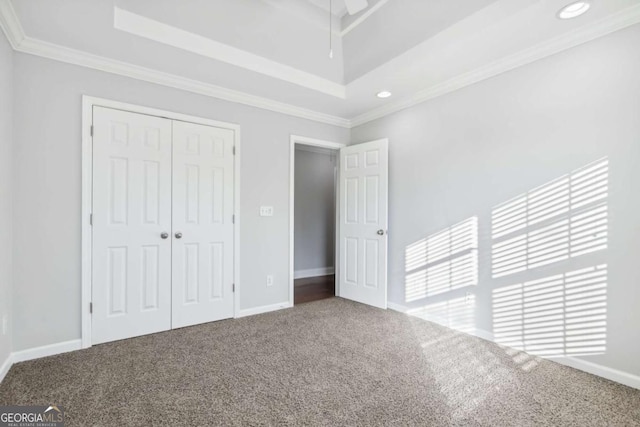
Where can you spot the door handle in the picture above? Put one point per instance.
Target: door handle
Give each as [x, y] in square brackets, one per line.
[178, 235]
[380, 232]
[164, 235]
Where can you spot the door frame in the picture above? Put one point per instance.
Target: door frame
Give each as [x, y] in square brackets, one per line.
[88, 102]
[303, 140]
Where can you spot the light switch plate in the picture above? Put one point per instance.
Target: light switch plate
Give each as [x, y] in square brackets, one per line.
[266, 210]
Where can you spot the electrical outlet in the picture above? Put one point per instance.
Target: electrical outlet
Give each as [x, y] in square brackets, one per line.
[468, 297]
[266, 210]
[269, 280]
[5, 324]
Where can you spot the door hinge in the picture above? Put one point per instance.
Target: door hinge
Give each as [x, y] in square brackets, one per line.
[234, 150]
[233, 219]
[91, 307]
[233, 287]
[91, 130]
[90, 219]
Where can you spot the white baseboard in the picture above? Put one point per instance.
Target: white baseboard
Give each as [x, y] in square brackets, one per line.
[582, 365]
[486, 335]
[601, 371]
[313, 272]
[6, 365]
[46, 350]
[263, 309]
[396, 307]
[37, 353]
[72, 345]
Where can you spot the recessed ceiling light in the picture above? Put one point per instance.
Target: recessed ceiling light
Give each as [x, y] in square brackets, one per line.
[383, 94]
[574, 10]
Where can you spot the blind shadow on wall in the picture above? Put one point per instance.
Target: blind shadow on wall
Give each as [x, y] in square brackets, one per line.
[547, 269]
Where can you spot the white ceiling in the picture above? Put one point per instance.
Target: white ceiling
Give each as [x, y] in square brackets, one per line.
[338, 7]
[274, 53]
[399, 26]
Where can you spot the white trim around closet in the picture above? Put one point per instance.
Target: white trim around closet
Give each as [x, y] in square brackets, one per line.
[88, 103]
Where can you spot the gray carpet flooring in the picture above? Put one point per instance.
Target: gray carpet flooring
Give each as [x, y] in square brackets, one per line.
[331, 362]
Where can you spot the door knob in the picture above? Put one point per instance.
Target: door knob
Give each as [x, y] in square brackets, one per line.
[164, 235]
[178, 235]
[381, 232]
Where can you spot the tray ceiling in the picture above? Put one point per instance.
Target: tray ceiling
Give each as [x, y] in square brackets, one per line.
[274, 53]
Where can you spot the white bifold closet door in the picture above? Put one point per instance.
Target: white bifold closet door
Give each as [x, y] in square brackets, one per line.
[131, 272]
[202, 224]
[162, 210]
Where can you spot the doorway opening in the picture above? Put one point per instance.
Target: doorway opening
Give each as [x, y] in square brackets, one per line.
[314, 207]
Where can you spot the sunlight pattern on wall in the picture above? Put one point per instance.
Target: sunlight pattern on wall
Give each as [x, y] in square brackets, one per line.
[443, 261]
[564, 218]
[458, 313]
[560, 315]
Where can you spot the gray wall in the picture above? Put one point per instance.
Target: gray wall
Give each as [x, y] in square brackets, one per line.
[6, 118]
[47, 183]
[314, 210]
[457, 156]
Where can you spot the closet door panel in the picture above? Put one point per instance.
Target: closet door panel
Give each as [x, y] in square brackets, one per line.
[131, 261]
[203, 192]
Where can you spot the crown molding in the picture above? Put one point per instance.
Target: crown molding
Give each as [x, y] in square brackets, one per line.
[10, 24]
[21, 43]
[169, 35]
[84, 59]
[610, 24]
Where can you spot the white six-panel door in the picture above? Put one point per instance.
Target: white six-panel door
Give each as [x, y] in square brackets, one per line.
[162, 233]
[363, 223]
[131, 272]
[202, 224]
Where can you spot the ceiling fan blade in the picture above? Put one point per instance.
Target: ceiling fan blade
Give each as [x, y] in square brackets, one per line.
[355, 6]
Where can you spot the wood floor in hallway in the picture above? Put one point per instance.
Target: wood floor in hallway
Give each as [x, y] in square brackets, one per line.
[314, 288]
